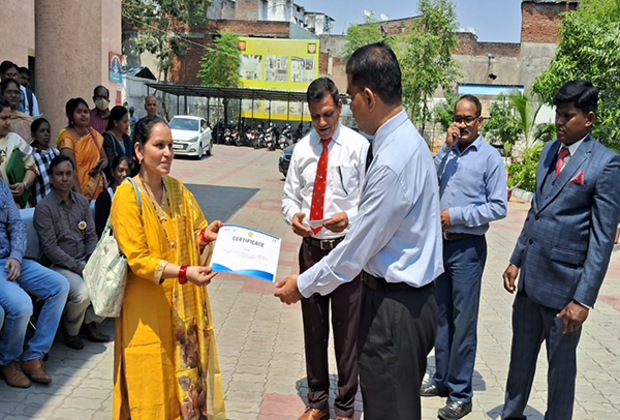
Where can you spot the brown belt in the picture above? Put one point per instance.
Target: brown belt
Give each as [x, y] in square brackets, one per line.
[324, 244]
[380, 284]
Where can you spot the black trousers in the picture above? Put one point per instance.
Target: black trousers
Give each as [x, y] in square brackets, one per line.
[345, 321]
[397, 331]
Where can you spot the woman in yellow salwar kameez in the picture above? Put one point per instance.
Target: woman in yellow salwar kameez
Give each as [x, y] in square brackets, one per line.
[165, 361]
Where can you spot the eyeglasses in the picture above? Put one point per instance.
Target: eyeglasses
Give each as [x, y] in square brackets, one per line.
[12, 92]
[466, 120]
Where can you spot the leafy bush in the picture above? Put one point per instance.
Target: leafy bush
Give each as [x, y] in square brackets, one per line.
[523, 174]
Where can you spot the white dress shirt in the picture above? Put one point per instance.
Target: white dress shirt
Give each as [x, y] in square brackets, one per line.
[35, 103]
[346, 166]
[572, 149]
[397, 233]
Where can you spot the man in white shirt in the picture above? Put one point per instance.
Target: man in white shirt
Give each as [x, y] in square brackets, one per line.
[321, 195]
[395, 242]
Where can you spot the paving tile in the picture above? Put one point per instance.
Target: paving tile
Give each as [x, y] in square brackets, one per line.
[260, 341]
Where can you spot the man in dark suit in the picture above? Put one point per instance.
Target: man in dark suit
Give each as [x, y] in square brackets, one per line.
[563, 252]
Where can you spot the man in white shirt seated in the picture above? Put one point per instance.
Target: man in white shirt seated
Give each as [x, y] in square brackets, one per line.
[321, 195]
[395, 243]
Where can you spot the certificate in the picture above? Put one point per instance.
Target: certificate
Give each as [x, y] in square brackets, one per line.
[247, 252]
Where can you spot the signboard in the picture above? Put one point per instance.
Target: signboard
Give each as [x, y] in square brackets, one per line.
[277, 64]
[116, 67]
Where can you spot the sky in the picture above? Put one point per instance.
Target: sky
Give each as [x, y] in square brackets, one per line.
[493, 20]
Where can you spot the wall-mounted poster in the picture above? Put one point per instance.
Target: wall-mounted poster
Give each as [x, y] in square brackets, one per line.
[303, 69]
[276, 68]
[251, 66]
[277, 64]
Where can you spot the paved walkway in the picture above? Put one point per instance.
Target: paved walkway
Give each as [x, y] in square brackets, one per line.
[260, 340]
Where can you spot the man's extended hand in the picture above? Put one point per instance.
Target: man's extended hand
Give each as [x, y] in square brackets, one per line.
[445, 219]
[298, 227]
[14, 268]
[338, 223]
[574, 315]
[510, 276]
[288, 293]
[453, 135]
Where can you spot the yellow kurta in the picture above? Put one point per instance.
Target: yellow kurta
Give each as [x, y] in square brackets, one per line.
[165, 361]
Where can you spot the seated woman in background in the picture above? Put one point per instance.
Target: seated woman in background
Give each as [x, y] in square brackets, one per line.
[20, 122]
[84, 145]
[117, 141]
[120, 170]
[10, 141]
[43, 155]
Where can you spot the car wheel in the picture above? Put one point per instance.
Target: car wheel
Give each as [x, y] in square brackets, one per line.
[199, 152]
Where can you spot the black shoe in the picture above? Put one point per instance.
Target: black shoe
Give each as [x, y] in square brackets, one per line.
[71, 341]
[430, 390]
[454, 410]
[93, 334]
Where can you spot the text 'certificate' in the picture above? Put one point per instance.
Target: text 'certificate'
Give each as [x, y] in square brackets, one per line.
[247, 252]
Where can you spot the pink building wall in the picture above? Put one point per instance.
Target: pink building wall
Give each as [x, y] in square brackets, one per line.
[70, 40]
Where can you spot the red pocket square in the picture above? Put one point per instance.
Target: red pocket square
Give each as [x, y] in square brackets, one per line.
[578, 179]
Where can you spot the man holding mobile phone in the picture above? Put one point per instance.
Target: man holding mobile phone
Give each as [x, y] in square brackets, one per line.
[320, 200]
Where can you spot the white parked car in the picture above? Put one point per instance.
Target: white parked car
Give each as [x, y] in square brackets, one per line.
[191, 136]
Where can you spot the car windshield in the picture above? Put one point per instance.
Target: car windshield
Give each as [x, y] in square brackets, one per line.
[186, 124]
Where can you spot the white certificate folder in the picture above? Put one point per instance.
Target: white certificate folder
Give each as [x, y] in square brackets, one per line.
[245, 251]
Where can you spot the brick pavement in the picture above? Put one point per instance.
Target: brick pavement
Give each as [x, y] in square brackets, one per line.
[260, 340]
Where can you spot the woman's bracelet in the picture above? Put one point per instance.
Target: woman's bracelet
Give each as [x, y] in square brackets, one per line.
[183, 274]
[204, 238]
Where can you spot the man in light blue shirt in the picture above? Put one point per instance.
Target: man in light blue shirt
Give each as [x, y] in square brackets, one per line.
[395, 242]
[472, 188]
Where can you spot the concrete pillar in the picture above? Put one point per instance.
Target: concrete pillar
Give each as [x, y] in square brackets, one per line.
[73, 39]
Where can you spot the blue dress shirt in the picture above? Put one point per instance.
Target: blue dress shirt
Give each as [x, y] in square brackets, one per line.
[472, 186]
[397, 231]
[12, 227]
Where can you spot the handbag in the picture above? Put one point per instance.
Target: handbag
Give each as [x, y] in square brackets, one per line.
[105, 273]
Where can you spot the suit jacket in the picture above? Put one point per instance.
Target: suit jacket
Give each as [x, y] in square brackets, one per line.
[566, 243]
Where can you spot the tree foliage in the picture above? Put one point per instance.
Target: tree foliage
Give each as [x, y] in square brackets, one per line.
[444, 111]
[220, 66]
[357, 36]
[156, 22]
[425, 55]
[513, 117]
[589, 48]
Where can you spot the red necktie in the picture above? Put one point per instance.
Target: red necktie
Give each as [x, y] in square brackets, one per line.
[558, 166]
[318, 192]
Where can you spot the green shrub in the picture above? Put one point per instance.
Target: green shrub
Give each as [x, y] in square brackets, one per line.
[523, 174]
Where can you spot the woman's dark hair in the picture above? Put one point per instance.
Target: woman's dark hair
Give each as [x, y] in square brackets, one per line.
[116, 114]
[376, 67]
[143, 128]
[38, 123]
[118, 159]
[319, 88]
[60, 159]
[6, 65]
[474, 100]
[4, 103]
[5, 84]
[581, 92]
[71, 106]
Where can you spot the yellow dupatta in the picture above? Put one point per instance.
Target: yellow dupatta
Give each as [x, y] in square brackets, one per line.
[166, 363]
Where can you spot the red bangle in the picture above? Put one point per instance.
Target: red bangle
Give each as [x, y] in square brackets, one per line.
[203, 237]
[183, 274]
